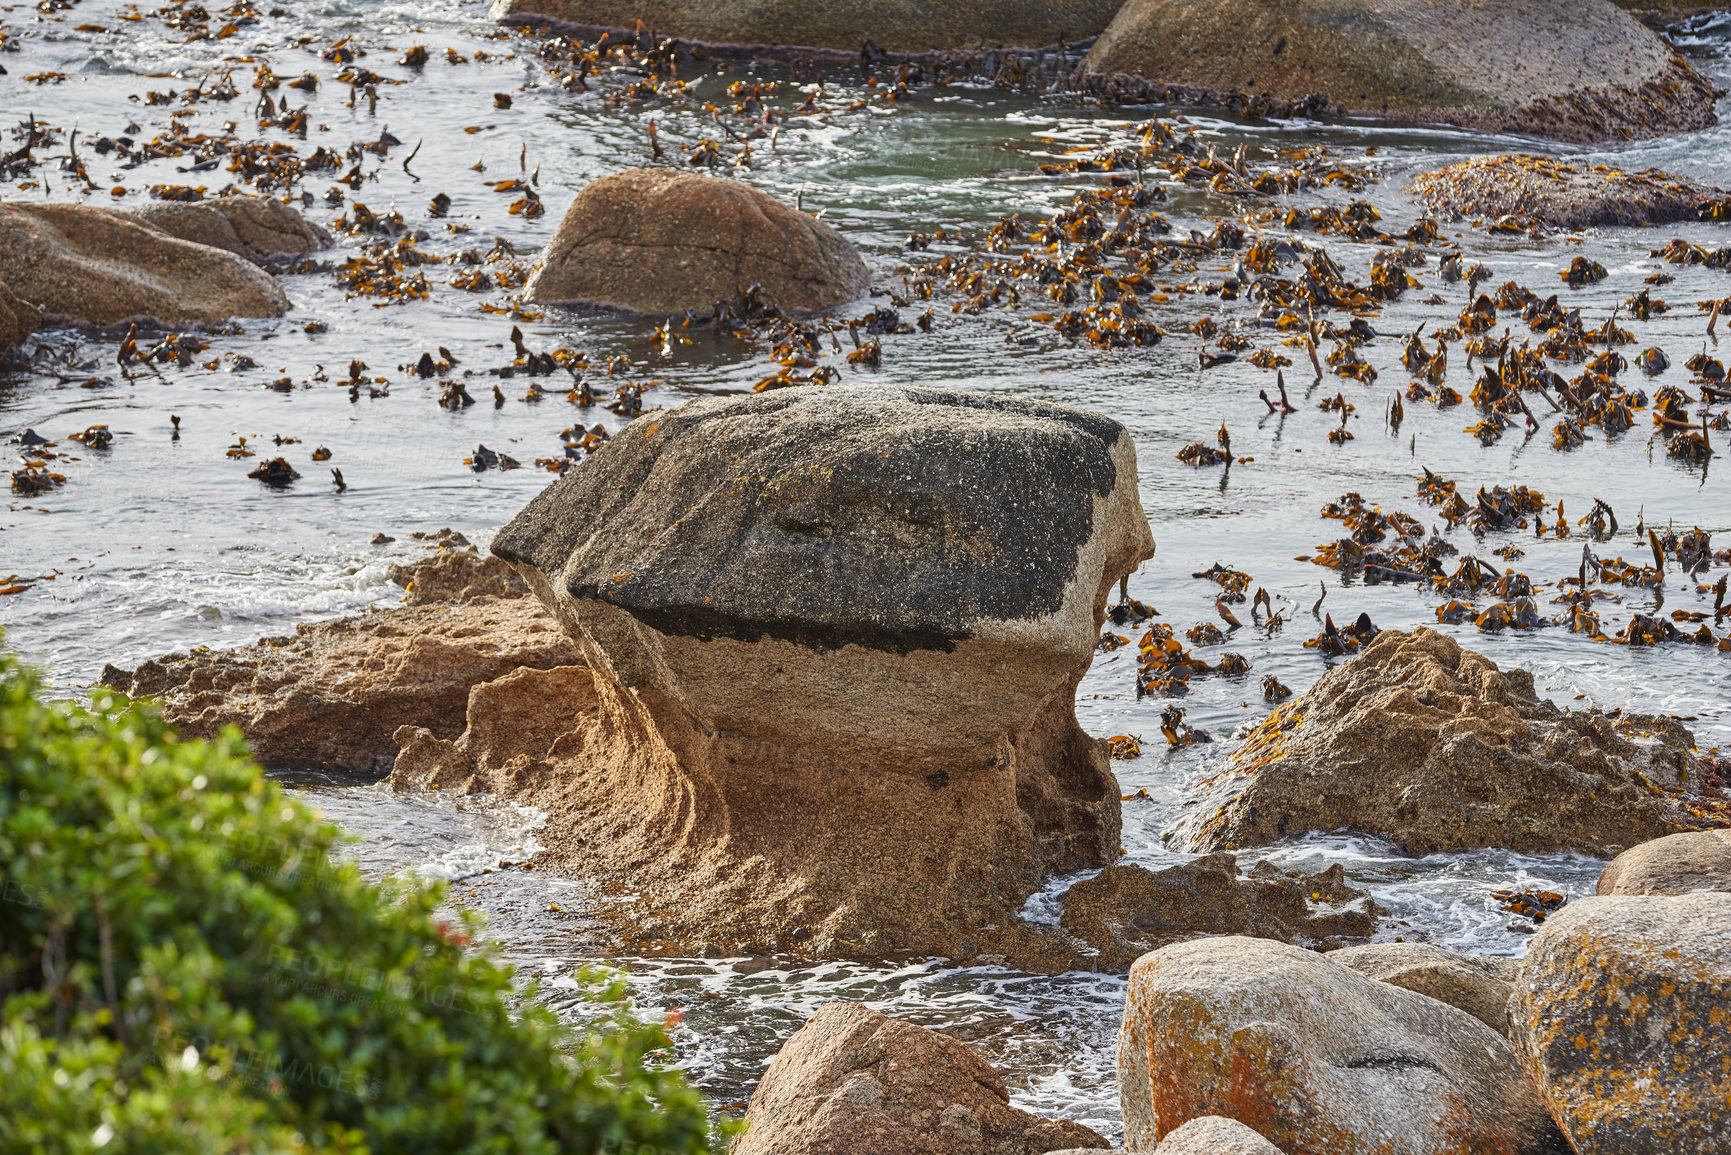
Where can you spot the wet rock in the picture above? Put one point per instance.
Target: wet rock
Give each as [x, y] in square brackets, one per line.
[660, 241]
[257, 228]
[334, 695]
[456, 574]
[1595, 73]
[1126, 911]
[1476, 984]
[1215, 1135]
[1433, 747]
[1568, 196]
[856, 1081]
[915, 579]
[1619, 1017]
[891, 26]
[1676, 864]
[18, 319]
[104, 266]
[1317, 1058]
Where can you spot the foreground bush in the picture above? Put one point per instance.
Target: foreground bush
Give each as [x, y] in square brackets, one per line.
[182, 968]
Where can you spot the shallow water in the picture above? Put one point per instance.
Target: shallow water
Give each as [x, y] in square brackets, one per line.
[250, 561]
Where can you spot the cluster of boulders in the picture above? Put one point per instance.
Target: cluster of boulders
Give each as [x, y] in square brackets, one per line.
[1596, 72]
[167, 264]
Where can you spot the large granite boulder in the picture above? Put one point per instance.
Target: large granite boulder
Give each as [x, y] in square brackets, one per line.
[1126, 911]
[18, 319]
[1433, 747]
[853, 1081]
[657, 240]
[334, 695]
[905, 26]
[257, 228]
[1675, 864]
[1620, 1016]
[1478, 985]
[1567, 195]
[835, 636]
[104, 266]
[1580, 70]
[1315, 1057]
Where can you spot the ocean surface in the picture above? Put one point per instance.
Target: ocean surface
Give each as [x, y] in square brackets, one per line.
[161, 542]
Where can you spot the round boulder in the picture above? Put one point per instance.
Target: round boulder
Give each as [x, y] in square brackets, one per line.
[1677, 864]
[1215, 1135]
[257, 228]
[1580, 70]
[1315, 1057]
[1620, 1018]
[103, 266]
[1478, 985]
[1569, 196]
[659, 241]
[907, 26]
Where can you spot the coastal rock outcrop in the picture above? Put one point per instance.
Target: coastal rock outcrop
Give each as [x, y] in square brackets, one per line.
[1595, 74]
[659, 241]
[834, 636]
[18, 319]
[1433, 747]
[257, 228]
[1315, 1057]
[853, 1081]
[1555, 192]
[905, 26]
[103, 266]
[1476, 984]
[1126, 911]
[1619, 1017]
[334, 695]
[1675, 864]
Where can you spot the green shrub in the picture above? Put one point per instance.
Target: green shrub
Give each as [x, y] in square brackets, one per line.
[183, 968]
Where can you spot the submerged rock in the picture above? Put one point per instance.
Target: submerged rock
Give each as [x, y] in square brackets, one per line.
[1579, 70]
[1315, 1057]
[659, 241]
[1569, 196]
[18, 319]
[334, 695]
[913, 26]
[1476, 984]
[1126, 911]
[1676, 864]
[835, 636]
[257, 228]
[855, 1081]
[1619, 1016]
[103, 266]
[1433, 747]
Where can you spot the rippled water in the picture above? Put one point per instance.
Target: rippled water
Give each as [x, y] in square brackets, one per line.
[248, 561]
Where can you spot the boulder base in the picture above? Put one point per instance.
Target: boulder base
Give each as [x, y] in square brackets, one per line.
[257, 228]
[853, 1081]
[18, 319]
[1315, 1057]
[1619, 1017]
[1676, 864]
[661, 241]
[1580, 70]
[1433, 747]
[104, 266]
[1569, 196]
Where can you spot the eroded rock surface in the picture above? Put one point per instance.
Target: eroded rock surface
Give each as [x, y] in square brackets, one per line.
[1567, 195]
[334, 695]
[1476, 984]
[1315, 1057]
[910, 26]
[257, 228]
[1433, 747]
[1595, 74]
[660, 241]
[1675, 864]
[853, 1081]
[104, 266]
[835, 636]
[1126, 911]
[18, 319]
[1619, 1016]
